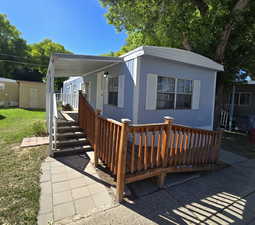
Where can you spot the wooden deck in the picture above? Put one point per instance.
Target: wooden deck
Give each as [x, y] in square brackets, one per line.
[133, 152]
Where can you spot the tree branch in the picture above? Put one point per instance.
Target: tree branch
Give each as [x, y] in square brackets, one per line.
[185, 42]
[202, 6]
[225, 34]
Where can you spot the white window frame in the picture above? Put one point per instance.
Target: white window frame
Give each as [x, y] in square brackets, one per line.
[239, 93]
[176, 93]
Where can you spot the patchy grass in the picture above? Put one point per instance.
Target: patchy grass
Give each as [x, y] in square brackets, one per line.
[19, 168]
[238, 143]
[15, 124]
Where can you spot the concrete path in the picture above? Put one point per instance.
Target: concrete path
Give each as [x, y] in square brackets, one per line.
[68, 194]
[231, 158]
[223, 197]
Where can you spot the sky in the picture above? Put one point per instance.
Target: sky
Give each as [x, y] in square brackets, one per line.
[79, 25]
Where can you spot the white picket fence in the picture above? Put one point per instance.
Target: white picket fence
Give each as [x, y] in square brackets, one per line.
[224, 119]
[71, 99]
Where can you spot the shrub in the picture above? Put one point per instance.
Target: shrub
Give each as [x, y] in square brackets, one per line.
[39, 128]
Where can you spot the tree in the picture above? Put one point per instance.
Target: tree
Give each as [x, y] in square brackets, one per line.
[21, 61]
[41, 52]
[221, 30]
[12, 47]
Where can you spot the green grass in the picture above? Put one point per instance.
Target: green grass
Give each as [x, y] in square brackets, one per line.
[15, 124]
[238, 143]
[19, 168]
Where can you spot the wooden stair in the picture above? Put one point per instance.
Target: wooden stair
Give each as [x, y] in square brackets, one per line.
[70, 139]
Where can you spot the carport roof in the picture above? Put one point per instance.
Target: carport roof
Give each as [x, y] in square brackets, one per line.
[66, 65]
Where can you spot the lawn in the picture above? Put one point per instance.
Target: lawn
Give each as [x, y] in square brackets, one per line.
[238, 143]
[19, 168]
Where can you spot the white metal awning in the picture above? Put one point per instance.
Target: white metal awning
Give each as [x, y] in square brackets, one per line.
[66, 65]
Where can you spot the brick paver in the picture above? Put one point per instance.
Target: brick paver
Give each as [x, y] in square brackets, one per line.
[34, 141]
[68, 194]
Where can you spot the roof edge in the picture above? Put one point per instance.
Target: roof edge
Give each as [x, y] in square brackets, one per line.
[148, 50]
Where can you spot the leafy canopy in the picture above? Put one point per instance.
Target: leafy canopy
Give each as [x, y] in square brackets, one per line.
[21, 61]
[11, 43]
[221, 30]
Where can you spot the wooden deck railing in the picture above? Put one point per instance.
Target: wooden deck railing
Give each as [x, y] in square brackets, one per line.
[108, 142]
[86, 118]
[135, 152]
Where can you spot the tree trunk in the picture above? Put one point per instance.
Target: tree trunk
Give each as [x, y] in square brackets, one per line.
[218, 105]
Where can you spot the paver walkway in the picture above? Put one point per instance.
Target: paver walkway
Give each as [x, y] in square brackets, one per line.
[222, 197]
[34, 141]
[68, 195]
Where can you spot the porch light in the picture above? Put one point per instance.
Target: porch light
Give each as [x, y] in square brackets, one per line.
[106, 74]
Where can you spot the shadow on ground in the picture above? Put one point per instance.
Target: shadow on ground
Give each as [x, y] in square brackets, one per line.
[80, 163]
[2, 117]
[223, 197]
[226, 196]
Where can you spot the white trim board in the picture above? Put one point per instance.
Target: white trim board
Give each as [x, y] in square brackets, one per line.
[136, 78]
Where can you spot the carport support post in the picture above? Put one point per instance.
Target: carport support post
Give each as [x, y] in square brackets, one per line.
[50, 82]
[121, 169]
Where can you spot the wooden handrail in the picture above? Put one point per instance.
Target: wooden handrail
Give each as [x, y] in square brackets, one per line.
[133, 152]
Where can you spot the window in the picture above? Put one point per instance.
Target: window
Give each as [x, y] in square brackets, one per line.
[113, 91]
[184, 94]
[242, 98]
[174, 93]
[166, 93]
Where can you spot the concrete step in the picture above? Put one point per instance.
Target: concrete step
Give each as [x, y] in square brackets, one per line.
[68, 129]
[72, 142]
[72, 150]
[64, 123]
[70, 135]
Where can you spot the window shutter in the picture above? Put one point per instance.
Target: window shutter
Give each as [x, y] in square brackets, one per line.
[106, 91]
[196, 94]
[151, 91]
[121, 86]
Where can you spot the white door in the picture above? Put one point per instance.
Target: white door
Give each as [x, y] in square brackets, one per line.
[33, 97]
[100, 91]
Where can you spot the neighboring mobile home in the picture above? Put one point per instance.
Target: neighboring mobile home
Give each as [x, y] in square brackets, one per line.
[147, 84]
[70, 90]
[239, 111]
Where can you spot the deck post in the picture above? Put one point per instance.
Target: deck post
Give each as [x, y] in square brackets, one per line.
[121, 169]
[79, 103]
[97, 113]
[164, 154]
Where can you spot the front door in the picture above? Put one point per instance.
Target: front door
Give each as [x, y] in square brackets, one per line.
[100, 91]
